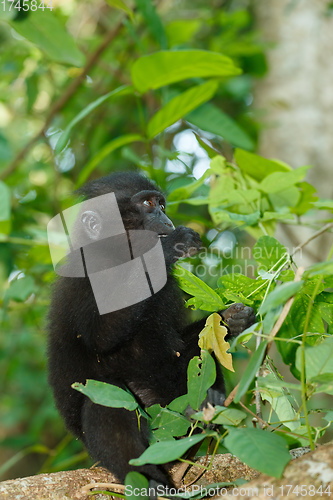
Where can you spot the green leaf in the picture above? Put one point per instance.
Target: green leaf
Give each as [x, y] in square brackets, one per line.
[166, 451]
[179, 106]
[223, 416]
[307, 200]
[283, 200]
[179, 404]
[103, 153]
[210, 150]
[280, 295]
[206, 298]
[241, 285]
[262, 450]
[172, 423]
[181, 30]
[119, 4]
[326, 311]
[278, 401]
[318, 359]
[45, 30]
[134, 481]
[153, 21]
[5, 204]
[268, 251]
[299, 310]
[167, 67]
[211, 119]
[279, 181]
[63, 139]
[201, 374]
[324, 204]
[6, 153]
[276, 216]
[184, 192]
[256, 166]
[324, 268]
[220, 215]
[20, 289]
[250, 371]
[106, 394]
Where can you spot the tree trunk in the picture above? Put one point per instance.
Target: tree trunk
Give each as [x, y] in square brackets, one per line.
[295, 99]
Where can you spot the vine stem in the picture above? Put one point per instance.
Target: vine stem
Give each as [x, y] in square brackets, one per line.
[303, 374]
[305, 329]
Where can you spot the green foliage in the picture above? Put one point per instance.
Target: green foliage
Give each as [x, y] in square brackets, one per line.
[166, 451]
[48, 33]
[265, 452]
[167, 67]
[107, 394]
[201, 376]
[136, 480]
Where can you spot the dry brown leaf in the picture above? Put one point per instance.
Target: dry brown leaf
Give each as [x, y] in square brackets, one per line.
[212, 339]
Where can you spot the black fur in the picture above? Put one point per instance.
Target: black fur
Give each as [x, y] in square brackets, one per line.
[137, 347]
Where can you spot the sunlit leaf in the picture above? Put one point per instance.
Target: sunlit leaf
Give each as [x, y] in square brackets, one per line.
[256, 166]
[167, 67]
[179, 106]
[181, 31]
[206, 298]
[279, 181]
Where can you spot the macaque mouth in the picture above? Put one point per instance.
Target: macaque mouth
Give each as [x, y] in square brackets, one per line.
[162, 235]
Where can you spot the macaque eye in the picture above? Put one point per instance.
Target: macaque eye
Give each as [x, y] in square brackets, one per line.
[148, 203]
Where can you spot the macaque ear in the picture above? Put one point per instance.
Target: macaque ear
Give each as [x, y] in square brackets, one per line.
[92, 224]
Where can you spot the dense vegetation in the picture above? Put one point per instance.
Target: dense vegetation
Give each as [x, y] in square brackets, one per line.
[90, 88]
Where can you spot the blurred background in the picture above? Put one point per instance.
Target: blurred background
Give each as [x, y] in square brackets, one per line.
[281, 106]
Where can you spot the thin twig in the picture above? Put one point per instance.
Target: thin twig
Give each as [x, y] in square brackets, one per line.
[63, 99]
[231, 396]
[201, 473]
[108, 486]
[178, 475]
[315, 235]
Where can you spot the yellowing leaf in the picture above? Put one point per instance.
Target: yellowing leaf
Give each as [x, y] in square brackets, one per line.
[211, 338]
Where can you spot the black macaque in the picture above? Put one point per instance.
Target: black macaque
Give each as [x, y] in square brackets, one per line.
[145, 347]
